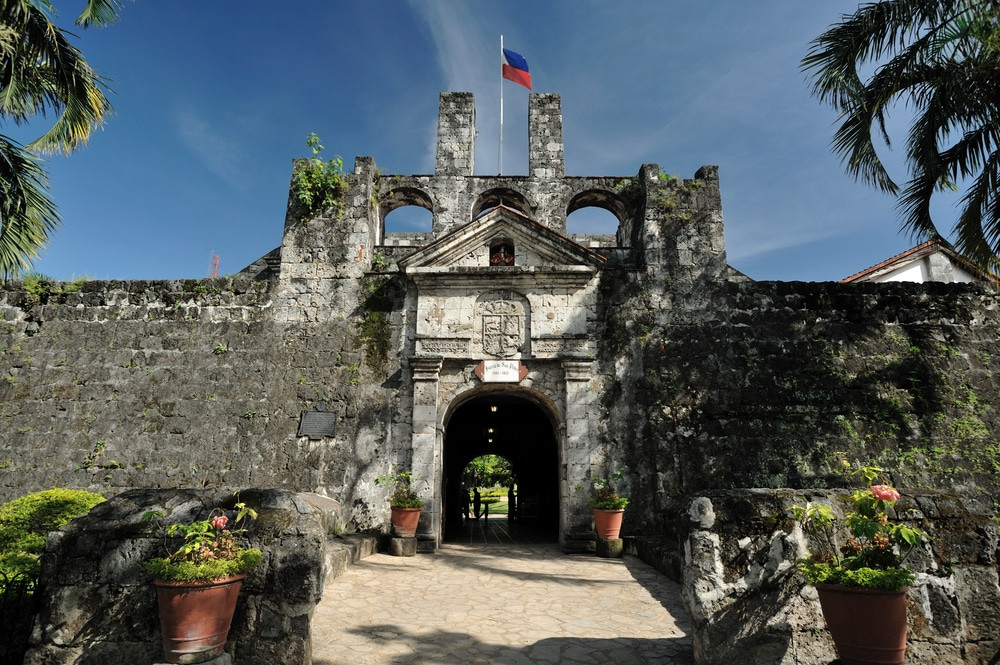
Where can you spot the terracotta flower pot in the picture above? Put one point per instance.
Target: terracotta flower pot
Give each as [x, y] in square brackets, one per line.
[195, 617]
[404, 521]
[608, 523]
[868, 626]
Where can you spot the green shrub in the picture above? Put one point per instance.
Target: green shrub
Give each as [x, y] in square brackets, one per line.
[319, 184]
[26, 521]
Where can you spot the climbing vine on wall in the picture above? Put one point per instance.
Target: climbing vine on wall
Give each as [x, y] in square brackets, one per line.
[376, 304]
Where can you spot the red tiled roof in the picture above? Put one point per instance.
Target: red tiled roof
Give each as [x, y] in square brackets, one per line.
[916, 253]
[908, 256]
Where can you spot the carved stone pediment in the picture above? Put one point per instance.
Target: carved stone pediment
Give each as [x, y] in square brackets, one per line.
[503, 246]
[494, 287]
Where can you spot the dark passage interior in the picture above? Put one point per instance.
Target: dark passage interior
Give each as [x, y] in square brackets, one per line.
[520, 431]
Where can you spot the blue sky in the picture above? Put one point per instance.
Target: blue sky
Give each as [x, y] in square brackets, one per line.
[214, 99]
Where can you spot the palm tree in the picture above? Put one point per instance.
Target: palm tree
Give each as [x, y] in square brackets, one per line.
[41, 73]
[940, 59]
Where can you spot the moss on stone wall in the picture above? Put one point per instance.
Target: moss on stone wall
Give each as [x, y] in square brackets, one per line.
[379, 296]
[788, 373]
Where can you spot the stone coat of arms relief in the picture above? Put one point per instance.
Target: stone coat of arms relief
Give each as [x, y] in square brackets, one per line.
[503, 322]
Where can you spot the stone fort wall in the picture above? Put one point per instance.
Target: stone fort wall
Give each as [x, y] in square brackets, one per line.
[172, 384]
[692, 376]
[782, 375]
[183, 384]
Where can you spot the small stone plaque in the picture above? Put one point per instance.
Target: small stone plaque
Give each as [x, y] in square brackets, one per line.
[317, 424]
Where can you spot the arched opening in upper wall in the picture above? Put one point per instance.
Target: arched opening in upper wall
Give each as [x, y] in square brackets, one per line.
[595, 212]
[406, 210]
[501, 196]
[409, 219]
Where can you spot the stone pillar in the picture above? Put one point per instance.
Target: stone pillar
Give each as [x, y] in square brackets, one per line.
[456, 134]
[576, 521]
[426, 456]
[545, 137]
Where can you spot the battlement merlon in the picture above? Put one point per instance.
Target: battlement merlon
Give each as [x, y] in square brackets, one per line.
[456, 134]
[546, 157]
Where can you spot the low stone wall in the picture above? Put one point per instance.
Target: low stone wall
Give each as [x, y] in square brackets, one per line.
[748, 604]
[99, 606]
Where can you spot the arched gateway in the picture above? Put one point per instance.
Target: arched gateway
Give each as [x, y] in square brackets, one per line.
[516, 332]
[497, 305]
[520, 426]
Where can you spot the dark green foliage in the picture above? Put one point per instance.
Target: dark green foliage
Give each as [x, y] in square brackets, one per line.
[605, 496]
[42, 289]
[892, 579]
[488, 471]
[374, 330]
[210, 549]
[938, 60]
[401, 492]
[164, 569]
[867, 549]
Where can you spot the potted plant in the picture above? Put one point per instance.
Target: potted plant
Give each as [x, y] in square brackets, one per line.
[404, 503]
[862, 583]
[197, 583]
[608, 505]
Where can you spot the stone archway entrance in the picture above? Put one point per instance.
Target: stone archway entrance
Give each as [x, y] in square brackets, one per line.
[513, 427]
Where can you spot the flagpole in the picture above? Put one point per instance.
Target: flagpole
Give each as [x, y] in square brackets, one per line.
[500, 154]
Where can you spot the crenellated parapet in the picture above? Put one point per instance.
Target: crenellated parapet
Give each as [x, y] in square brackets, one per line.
[666, 225]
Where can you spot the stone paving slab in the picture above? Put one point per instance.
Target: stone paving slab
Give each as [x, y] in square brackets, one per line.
[510, 604]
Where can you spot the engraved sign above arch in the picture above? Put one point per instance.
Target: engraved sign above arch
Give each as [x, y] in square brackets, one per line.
[503, 320]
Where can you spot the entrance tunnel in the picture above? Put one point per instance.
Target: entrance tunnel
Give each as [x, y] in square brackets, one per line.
[520, 431]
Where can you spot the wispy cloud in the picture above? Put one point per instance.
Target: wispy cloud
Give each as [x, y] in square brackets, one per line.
[756, 243]
[467, 51]
[215, 147]
[458, 41]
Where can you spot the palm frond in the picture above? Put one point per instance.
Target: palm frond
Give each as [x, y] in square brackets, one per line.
[940, 58]
[978, 228]
[47, 74]
[27, 215]
[99, 12]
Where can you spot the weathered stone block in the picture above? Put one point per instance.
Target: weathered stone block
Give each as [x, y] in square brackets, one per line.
[978, 602]
[403, 546]
[610, 548]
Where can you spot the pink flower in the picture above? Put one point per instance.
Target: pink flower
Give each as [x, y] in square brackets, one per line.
[884, 492]
[220, 521]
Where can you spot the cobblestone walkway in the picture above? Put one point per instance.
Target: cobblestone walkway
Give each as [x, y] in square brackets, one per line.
[509, 604]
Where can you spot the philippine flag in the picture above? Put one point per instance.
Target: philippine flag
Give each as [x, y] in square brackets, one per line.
[515, 68]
